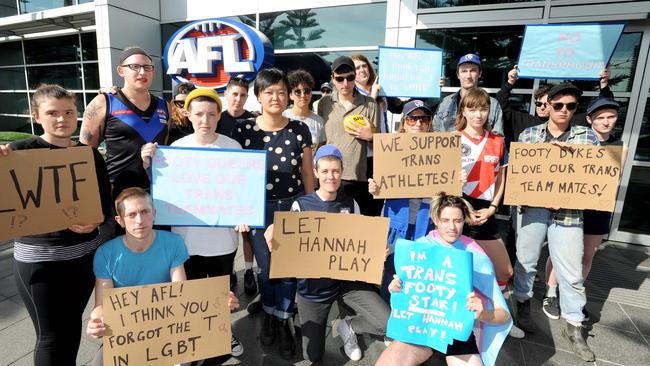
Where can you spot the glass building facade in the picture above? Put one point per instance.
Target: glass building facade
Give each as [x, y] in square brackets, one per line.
[310, 35]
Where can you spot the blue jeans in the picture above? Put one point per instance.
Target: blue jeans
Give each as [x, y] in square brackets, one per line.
[566, 248]
[278, 295]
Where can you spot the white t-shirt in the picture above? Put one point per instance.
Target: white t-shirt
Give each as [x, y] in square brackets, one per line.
[208, 241]
[315, 124]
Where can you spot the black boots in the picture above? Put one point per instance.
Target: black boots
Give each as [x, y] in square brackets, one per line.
[523, 317]
[269, 329]
[287, 342]
[578, 342]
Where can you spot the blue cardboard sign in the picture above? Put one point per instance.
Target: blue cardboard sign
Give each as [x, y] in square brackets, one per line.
[431, 308]
[208, 187]
[410, 72]
[567, 51]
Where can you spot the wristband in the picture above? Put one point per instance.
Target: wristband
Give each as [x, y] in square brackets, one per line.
[495, 206]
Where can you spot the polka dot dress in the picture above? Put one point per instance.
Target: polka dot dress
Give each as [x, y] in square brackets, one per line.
[284, 154]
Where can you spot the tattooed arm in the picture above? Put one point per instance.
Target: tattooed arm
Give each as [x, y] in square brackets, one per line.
[92, 127]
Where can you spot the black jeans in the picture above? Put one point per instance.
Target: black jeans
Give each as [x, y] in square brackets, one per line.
[371, 316]
[55, 295]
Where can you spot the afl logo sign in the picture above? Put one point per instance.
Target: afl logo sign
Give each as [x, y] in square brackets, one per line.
[209, 52]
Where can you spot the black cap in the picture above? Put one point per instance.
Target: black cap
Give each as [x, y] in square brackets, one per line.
[564, 88]
[183, 88]
[130, 51]
[342, 61]
[601, 103]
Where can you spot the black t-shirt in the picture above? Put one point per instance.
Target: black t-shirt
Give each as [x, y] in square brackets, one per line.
[127, 128]
[67, 237]
[564, 136]
[227, 123]
[284, 154]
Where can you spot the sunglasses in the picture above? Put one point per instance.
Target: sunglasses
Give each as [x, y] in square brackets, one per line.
[300, 93]
[413, 120]
[569, 106]
[179, 103]
[339, 79]
[137, 67]
[539, 104]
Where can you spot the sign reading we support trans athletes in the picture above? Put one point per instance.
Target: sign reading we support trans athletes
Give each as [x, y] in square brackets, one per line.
[545, 175]
[328, 245]
[416, 165]
[431, 308]
[567, 51]
[208, 187]
[409, 72]
[167, 323]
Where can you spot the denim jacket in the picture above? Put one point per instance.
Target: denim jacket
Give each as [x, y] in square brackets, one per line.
[445, 117]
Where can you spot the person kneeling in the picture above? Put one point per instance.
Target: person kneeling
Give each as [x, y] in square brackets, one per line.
[450, 213]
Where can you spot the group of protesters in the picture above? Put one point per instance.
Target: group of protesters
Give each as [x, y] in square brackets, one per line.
[315, 162]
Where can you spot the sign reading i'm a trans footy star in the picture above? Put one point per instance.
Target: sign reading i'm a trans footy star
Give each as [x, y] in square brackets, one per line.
[209, 52]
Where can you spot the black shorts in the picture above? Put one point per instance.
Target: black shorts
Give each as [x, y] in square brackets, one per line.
[489, 230]
[457, 348]
[596, 222]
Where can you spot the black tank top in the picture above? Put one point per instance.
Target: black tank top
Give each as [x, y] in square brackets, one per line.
[127, 129]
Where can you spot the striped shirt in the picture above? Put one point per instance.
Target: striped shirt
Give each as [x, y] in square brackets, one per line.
[29, 253]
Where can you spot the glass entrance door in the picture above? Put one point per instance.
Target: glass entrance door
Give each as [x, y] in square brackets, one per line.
[631, 221]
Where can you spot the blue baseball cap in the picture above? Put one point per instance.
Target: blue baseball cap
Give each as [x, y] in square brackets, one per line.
[328, 150]
[602, 103]
[470, 57]
[416, 104]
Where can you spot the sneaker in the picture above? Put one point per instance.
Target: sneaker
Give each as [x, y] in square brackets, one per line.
[574, 334]
[586, 314]
[236, 348]
[233, 281]
[269, 328]
[551, 307]
[515, 332]
[287, 342]
[350, 345]
[250, 285]
[523, 317]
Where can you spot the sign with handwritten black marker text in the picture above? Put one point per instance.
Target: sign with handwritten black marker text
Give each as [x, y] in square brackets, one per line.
[545, 175]
[167, 323]
[47, 190]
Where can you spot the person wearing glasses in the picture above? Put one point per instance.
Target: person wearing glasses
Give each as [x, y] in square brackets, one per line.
[409, 218]
[181, 125]
[516, 121]
[353, 142]
[127, 120]
[562, 227]
[468, 73]
[301, 84]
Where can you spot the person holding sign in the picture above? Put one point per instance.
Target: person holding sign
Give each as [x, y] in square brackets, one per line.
[469, 73]
[409, 218]
[601, 115]
[562, 227]
[289, 174]
[139, 257]
[450, 214]
[53, 271]
[361, 113]
[316, 296]
[212, 249]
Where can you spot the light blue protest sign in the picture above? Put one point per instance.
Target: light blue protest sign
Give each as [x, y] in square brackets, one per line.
[208, 187]
[567, 51]
[410, 72]
[431, 308]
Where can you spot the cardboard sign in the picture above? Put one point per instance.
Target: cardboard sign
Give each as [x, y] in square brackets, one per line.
[417, 165]
[47, 190]
[431, 308]
[409, 72]
[567, 51]
[327, 245]
[208, 187]
[167, 323]
[545, 175]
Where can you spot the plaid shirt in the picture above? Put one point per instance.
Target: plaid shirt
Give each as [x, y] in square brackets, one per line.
[577, 135]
